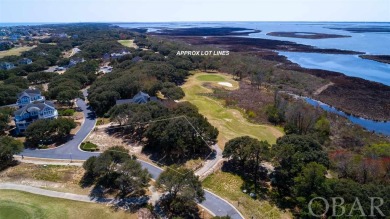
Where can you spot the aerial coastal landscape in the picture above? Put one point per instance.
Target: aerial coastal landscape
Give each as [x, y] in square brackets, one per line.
[176, 115]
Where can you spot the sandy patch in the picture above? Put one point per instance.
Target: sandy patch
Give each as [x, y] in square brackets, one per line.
[226, 84]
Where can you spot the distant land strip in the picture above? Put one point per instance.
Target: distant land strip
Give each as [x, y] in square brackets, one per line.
[379, 58]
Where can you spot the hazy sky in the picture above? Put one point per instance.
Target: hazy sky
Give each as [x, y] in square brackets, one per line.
[192, 10]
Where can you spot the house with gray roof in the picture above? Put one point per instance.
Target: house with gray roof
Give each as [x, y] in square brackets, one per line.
[29, 96]
[25, 61]
[75, 61]
[139, 98]
[32, 112]
[32, 106]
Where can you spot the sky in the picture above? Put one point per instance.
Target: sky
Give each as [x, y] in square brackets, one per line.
[50, 11]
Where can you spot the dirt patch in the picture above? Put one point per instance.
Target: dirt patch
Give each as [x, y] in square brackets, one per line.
[105, 140]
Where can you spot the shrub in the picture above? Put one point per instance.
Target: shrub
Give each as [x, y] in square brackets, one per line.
[89, 146]
[251, 114]
[66, 112]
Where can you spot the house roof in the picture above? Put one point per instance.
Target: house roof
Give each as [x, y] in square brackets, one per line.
[136, 59]
[78, 59]
[141, 97]
[33, 106]
[6, 63]
[30, 92]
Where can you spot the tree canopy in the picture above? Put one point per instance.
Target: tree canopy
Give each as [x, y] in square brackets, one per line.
[115, 171]
[245, 155]
[174, 134]
[292, 153]
[8, 147]
[183, 190]
[48, 131]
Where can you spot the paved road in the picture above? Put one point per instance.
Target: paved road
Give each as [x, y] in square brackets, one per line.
[70, 150]
[38, 191]
[207, 168]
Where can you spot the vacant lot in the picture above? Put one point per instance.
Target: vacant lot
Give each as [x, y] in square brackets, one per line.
[15, 204]
[228, 186]
[15, 51]
[128, 43]
[53, 177]
[230, 122]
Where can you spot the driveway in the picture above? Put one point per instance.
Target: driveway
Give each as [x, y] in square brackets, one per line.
[70, 150]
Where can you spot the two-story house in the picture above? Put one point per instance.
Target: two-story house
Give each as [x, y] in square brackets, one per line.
[32, 106]
[29, 96]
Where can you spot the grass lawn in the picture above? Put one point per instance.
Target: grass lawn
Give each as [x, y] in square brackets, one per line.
[210, 77]
[128, 43]
[16, 204]
[230, 122]
[228, 186]
[15, 51]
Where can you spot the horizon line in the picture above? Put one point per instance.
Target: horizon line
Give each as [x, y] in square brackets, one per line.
[75, 22]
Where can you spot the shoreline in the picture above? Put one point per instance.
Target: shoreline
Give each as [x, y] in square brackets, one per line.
[377, 58]
[246, 44]
[306, 35]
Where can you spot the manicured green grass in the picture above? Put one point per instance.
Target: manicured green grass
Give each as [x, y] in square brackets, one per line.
[210, 77]
[16, 204]
[15, 51]
[14, 210]
[89, 146]
[230, 122]
[128, 43]
[228, 186]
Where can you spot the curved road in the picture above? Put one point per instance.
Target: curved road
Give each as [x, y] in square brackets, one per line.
[70, 150]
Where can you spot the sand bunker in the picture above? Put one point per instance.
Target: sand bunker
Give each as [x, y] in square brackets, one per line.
[227, 84]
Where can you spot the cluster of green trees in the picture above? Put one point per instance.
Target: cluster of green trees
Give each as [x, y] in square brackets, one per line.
[245, 155]
[40, 77]
[292, 153]
[97, 48]
[48, 131]
[66, 87]
[183, 190]
[301, 173]
[149, 77]
[298, 117]
[175, 133]
[8, 147]
[117, 173]
[10, 88]
[5, 118]
[115, 170]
